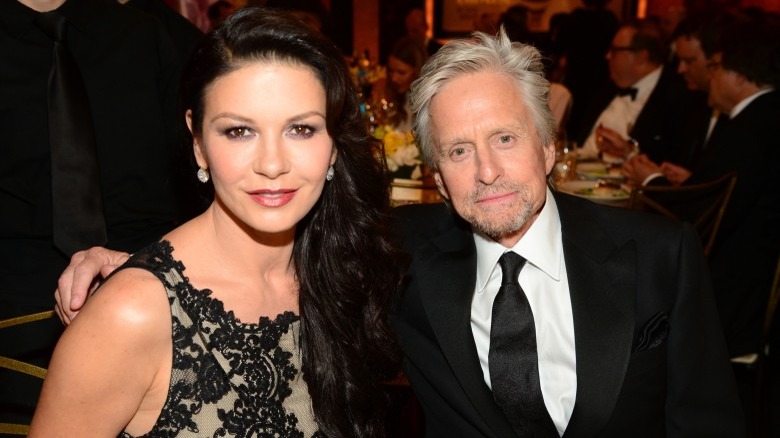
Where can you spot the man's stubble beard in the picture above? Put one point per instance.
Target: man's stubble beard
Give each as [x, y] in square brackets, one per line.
[499, 221]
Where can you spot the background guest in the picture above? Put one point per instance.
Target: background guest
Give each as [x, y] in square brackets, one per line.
[403, 67]
[130, 70]
[646, 104]
[744, 75]
[584, 40]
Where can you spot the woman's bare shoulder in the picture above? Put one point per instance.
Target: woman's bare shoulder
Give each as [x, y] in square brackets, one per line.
[131, 303]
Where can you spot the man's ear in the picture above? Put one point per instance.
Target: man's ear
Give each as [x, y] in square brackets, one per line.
[440, 185]
[549, 157]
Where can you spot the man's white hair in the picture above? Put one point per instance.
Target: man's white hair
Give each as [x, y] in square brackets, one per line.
[482, 53]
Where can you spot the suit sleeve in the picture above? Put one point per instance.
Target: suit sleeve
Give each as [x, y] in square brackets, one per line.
[702, 397]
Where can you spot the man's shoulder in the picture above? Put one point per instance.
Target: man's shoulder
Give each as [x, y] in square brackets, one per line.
[417, 222]
[617, 222]
[423, 218]
[764, 106]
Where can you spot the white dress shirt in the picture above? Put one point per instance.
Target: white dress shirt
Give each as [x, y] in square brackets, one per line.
[621, 114]
[546, 285]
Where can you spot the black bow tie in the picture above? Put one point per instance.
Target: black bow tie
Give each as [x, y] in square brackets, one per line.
[627, 92]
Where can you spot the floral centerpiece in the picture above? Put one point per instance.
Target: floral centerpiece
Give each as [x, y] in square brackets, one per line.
[401, 152]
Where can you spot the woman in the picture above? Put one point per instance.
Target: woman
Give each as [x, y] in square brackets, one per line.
[403, 67]
[271, 319]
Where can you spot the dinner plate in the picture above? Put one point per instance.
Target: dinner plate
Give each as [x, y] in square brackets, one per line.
[588, 190]
[583, 155]
[599, 171]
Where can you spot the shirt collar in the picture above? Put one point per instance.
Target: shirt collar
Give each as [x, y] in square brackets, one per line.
[746, 101]
[541, 246]
[646, 85]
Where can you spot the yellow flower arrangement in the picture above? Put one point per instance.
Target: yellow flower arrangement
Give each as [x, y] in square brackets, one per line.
[401, 152]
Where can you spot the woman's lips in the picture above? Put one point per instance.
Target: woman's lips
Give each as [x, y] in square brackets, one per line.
[273, 198]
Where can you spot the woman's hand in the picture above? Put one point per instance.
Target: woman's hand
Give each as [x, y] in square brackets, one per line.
[82, 277]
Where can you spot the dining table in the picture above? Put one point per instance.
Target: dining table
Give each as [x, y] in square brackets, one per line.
[590, 177]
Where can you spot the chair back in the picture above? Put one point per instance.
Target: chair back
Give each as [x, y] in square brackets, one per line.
[703, 205]
[21, 367]
[774, 297]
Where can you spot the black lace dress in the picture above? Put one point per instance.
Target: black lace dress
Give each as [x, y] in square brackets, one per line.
[229, 379]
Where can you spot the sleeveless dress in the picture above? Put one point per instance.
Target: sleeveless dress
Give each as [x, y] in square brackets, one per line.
[229, 379]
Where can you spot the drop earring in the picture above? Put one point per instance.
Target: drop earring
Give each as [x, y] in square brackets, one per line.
[331, 172]
[203, 175]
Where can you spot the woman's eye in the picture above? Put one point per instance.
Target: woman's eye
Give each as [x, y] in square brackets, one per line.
[302, 131]
[239, 132]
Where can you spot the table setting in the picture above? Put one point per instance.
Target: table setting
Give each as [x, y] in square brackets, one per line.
[587, 176]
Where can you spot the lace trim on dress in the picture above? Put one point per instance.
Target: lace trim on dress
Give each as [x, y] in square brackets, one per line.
[228, 378]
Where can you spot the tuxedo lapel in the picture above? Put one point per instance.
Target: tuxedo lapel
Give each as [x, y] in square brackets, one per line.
[449, 264]
[602, 285]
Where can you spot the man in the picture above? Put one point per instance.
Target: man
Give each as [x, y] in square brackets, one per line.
[130, 70]
[743, 82]
[599, 280]
[645, 107]
[694, 39]
[583, 41]
[623, 324]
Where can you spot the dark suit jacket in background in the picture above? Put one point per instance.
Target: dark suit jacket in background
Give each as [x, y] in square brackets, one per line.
[131, 71]
[183, 33]
[661, 128]
[745, 253]
[650, 358]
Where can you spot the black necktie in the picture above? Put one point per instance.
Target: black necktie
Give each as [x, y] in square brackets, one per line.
[77, 203]
[627, 92]
[513, 362]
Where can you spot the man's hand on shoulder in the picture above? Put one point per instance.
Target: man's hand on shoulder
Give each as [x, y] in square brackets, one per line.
[81, 278]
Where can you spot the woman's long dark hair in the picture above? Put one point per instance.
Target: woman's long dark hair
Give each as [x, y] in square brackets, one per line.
[345, 263]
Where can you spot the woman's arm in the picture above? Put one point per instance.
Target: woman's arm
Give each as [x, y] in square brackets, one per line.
[111, 367]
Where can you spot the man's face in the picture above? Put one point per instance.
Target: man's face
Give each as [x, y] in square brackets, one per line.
[623, 59]
[724, 85]
[491, 165]
[693, 63]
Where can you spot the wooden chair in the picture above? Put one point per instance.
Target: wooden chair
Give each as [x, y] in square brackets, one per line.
[760, 364]
[21, 367]
[702, 204]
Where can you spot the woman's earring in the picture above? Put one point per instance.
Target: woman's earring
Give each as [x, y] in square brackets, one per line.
[203, 175]
[331, 172]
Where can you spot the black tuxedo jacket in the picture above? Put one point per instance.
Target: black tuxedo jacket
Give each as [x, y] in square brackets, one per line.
[650, 358]
[661, 128]
[746, 249]
[743, 259]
